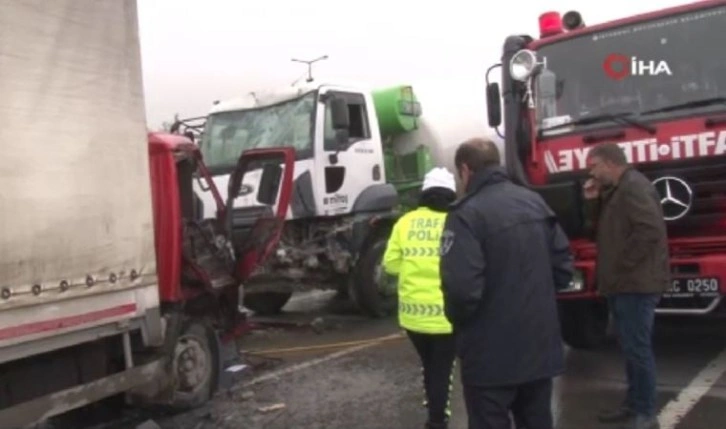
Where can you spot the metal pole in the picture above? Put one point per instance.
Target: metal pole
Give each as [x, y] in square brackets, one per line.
[310, 65]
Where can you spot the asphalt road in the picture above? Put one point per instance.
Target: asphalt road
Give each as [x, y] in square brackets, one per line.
[294, 383]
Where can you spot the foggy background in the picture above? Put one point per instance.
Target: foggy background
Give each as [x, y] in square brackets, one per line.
[195, 52]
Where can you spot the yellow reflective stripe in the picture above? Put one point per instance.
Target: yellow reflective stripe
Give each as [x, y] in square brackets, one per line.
[430, 310]
[420, 251]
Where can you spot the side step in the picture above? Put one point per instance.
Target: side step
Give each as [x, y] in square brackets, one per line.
[40, 409]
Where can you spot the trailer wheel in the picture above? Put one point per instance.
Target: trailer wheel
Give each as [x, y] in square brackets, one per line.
[372, 290]
[195, 365]
[584, 323]
[266, 303]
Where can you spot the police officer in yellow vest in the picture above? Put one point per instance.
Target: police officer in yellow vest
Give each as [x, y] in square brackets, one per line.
[412, 254]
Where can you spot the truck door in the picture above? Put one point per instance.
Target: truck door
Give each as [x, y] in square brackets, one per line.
[346, 169]
[254, 243]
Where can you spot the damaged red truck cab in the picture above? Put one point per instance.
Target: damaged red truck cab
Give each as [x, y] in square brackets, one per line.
[652, 84]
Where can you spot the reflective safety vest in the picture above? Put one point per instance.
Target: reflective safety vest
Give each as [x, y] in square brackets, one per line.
[413, 255]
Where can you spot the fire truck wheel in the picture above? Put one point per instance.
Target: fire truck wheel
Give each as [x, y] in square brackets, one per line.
[195, 365]
[266, 303]
[584, 323]
[371, 289]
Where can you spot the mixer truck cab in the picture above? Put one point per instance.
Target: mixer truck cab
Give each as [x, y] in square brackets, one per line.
[331, 149]
[651, 84]
[350, 182]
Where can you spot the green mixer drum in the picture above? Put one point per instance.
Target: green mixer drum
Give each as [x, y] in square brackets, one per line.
[397, 110]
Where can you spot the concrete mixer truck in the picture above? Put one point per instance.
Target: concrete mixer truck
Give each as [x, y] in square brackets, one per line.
[360, 156]
[651, 84]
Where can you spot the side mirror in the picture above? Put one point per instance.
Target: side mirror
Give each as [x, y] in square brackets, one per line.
[494, 105]
[339, 114]
[190, 136]
[269, 184]
[546, 95]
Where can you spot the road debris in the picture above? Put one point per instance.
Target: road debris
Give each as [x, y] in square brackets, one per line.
[271, 408]
[149, 424]
[236, 368]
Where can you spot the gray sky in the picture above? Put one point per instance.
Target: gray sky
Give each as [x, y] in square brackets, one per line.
[198, 51]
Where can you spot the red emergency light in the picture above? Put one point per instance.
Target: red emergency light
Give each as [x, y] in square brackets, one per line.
[550, 23]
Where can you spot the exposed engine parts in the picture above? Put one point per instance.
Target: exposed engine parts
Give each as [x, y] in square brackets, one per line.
[313, 251]
[209, 249]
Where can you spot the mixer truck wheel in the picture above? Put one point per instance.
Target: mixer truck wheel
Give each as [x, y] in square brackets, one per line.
[195, 365]
[266, 303]
[584, 323]
[372, 290]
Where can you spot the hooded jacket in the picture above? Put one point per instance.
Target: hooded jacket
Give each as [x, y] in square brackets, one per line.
[503, 256]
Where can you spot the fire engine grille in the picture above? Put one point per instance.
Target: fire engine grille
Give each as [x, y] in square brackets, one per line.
[707, 182]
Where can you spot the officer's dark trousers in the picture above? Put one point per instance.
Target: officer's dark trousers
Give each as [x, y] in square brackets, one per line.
[529, 404]
[437, 353]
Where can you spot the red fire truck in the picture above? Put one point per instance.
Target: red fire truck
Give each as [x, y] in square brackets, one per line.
[652, 84]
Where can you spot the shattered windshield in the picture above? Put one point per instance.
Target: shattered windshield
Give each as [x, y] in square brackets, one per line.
[228, 134]
[637, 68]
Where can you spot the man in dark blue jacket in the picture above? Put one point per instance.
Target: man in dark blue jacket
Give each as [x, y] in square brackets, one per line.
[503, 255]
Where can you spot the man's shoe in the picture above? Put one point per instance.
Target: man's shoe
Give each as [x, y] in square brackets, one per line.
[620, 415]
[642, 422]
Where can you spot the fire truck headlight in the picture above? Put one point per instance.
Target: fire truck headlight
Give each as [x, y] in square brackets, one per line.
[522, 65]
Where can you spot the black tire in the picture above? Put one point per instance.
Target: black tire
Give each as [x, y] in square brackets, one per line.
[195, 365]
[365, 288]
[342, 292]
[584, 323]
[342, 287]
[266, 303]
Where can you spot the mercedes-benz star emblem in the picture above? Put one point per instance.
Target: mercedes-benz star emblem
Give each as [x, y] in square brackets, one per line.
[676, 196]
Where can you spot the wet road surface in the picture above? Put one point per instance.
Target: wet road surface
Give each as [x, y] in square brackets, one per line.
[366, 384]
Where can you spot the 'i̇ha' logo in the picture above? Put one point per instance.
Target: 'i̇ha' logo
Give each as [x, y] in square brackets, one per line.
[619, 66]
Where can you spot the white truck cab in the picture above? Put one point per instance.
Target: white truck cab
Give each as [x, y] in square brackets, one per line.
[329, 174]
[349, 183]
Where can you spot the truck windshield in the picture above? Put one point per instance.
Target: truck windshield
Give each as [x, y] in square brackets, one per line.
[228, 134]
[648, 68]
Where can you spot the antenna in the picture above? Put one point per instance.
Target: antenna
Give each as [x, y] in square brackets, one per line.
[298, 79]
[310, 66]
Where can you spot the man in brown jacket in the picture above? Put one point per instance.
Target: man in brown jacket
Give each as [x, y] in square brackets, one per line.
[632, 271]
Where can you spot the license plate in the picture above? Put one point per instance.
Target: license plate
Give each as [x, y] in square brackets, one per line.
[706, 287]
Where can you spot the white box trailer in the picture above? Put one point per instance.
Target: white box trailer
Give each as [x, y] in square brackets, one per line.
[77, 259]
[108, 279]
[77, 244]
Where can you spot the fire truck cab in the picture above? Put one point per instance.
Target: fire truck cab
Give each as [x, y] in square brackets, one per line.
[652, 84]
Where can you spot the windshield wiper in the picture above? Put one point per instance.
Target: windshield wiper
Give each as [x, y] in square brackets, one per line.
[622, 117]
[695, 103]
